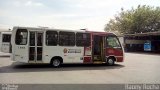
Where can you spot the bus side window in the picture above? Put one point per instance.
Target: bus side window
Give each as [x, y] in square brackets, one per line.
[21, 37]
[66, 38]
[51, 38]
[112, 42]
[6, 38]
[83, 39]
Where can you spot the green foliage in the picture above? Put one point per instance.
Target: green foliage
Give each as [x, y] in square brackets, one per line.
[140, 20]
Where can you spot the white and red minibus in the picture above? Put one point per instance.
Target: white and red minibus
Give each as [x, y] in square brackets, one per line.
[57, 46]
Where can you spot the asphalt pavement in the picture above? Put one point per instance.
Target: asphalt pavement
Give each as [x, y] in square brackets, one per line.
[136, 68]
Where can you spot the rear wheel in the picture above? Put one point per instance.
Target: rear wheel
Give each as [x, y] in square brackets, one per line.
[56, 62]
[110, 61]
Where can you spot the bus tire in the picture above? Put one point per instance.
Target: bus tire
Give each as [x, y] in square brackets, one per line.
[110, 61]
[56, 62]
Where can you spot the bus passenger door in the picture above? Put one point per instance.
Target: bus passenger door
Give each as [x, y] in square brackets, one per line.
[98, 48]
[35, 46]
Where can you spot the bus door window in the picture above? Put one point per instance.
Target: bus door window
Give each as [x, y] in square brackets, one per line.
[32, 53]
[39, 44]
[97, 45]
[39, 39]
[32, 39]
[32, 50]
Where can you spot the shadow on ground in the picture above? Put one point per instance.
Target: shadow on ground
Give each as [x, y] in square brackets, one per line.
[17, 68]
[144, 53]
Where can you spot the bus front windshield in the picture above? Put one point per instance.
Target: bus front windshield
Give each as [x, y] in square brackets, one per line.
[113, 42]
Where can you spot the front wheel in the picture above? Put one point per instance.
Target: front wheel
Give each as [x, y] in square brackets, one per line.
[110, 61]
[56, 62]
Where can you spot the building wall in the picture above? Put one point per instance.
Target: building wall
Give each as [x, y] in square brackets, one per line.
[135, 43]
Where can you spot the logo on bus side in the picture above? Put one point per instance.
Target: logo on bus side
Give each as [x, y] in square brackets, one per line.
[65, 50]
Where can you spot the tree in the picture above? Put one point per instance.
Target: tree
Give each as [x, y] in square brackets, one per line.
[140, 20]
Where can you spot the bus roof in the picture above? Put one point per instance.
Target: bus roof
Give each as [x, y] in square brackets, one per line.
[41, 28]
[54, 29]
[6, 32]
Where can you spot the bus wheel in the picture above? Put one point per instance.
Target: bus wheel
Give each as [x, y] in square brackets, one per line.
[56, 62]
[110, 61]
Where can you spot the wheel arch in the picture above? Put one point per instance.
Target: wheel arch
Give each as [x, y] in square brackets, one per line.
[112, 56]
[57, 57]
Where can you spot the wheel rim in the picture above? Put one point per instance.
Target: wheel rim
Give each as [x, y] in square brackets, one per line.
[110, 61]
[56, 62]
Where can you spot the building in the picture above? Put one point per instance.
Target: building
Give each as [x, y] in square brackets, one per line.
[142, 42]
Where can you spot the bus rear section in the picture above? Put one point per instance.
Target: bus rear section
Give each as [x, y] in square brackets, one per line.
[5, 41]
[55, 46]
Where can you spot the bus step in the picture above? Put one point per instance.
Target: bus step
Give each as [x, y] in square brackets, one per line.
[97, 62]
